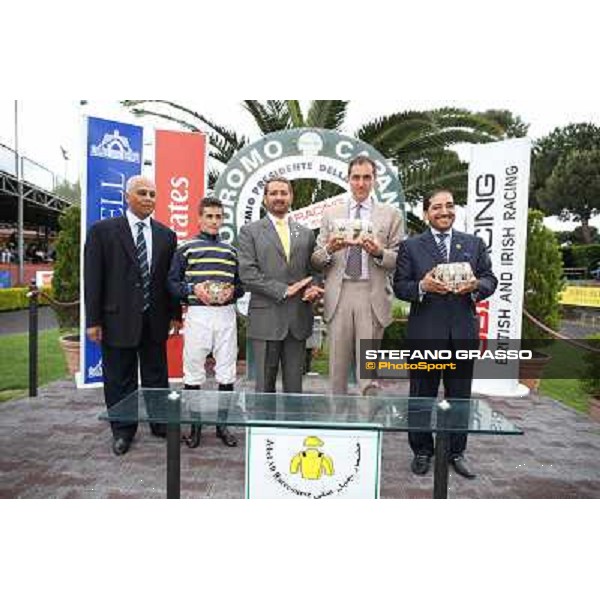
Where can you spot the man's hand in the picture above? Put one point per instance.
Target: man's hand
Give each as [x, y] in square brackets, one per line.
[372, 246]
[294, 288]
[468, 287]
[225, 296]
[94, 334]
[312, 293]
[432, 285]
[201, 293]
[175, 326]
[334, 244]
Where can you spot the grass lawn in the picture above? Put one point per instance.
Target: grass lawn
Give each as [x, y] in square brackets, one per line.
[14, 362]
[567, 391]
[320, 363]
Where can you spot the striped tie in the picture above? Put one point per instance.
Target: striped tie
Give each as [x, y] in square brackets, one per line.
[441, 244]
[142, 256]
[354, 259]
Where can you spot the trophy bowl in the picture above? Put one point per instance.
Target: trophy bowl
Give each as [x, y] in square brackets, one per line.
[453, 274]
[215, 288]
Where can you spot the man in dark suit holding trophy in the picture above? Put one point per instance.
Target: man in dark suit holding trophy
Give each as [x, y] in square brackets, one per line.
[442, 312]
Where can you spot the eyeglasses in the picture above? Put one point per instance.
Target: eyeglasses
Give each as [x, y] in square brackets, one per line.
[143, 193]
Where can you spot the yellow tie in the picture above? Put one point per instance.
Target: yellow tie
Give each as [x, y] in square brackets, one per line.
[284, 235]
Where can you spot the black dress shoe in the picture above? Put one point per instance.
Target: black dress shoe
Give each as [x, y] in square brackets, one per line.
[460, 466]
[193, 440]
[226, 436]
[158, 430]
[420, 464]
[120, 446]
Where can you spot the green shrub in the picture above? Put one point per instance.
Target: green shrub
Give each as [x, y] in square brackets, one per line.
[591, 380]
[567, 257]
[397, 329]
[16, 298]
[587, 256]
[543, 277]
[65, 281]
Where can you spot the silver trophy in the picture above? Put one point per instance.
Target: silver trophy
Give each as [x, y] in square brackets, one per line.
[351, 230]
[453, 274]
[215, 289]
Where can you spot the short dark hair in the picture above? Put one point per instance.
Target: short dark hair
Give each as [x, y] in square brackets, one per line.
[281, 180]
[207, 202]
[361, 159]
[435, 192]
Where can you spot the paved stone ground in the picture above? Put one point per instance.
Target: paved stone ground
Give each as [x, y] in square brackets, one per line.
[17, 321]
[54, 446]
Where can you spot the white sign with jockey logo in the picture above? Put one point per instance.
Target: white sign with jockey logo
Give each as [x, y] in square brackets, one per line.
[309, 464]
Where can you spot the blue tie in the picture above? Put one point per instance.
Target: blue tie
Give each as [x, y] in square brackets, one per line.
[441, 244]
[142, 256]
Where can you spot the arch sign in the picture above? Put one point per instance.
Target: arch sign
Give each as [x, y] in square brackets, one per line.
[303, 153]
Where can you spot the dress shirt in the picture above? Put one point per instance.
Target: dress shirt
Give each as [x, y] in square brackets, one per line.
[133, 221]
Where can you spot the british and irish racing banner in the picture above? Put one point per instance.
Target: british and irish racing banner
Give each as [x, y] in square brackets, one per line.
[497, 213]
[113, 154]
[180, 174]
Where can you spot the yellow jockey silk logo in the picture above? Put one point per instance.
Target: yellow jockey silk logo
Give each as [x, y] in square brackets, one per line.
[311, 462]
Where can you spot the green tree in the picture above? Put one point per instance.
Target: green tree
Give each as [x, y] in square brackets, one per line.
[69, 191]
[573, 189]
[543, 277]
[550, 149]
[575, 237]
[512, 125]
[65, 281]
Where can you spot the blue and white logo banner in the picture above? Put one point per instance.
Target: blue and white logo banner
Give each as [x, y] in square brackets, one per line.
[113, 154]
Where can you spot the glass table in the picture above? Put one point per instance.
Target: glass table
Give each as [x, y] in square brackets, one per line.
[309, 411]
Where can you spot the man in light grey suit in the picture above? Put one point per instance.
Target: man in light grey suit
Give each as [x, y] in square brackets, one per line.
[274, 265]
[358, 292]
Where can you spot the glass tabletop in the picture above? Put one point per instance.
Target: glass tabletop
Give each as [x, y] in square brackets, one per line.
[311, 411]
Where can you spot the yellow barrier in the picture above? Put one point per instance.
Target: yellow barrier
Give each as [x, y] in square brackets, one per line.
[581, 296]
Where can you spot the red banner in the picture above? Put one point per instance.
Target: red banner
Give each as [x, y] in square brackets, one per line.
[180, 173]
[180, 180]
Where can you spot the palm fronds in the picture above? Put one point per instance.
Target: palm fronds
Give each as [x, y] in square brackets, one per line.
[327, 114]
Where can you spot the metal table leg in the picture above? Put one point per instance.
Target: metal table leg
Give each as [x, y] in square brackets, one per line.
[440, 473]
[173, 460]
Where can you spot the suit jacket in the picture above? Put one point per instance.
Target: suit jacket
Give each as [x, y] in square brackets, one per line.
[387, 223]
[266, 273]
[439, 316]
[113, 283]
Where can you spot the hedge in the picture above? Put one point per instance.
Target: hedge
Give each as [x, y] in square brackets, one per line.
[16, 298]
[587, 256]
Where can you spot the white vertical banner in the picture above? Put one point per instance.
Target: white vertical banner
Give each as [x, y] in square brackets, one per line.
[497, 213]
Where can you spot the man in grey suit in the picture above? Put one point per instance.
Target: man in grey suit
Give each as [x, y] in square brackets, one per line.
[440, 318]
[358, 292]
[274, 265]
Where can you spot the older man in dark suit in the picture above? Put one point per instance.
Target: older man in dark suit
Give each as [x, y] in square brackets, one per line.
[274, 261]
[440, 314]
[129, 310]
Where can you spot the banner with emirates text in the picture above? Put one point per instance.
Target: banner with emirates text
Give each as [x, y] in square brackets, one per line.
[180, 175]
